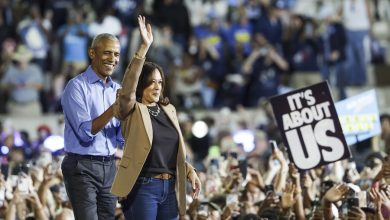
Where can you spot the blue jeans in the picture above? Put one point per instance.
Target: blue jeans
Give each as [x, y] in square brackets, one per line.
[336, 76]
[356, 62]
[151, 199]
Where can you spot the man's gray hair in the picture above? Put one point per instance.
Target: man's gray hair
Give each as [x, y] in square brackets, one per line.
[100, 37]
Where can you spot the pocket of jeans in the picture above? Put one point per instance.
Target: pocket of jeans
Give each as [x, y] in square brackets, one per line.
[143, 180]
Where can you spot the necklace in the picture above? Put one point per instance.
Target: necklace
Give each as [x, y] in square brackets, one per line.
[154, 113]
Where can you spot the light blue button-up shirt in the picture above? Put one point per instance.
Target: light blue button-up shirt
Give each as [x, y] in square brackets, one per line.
[85, 98]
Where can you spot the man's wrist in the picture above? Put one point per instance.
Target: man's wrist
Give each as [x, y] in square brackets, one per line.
[327, 203]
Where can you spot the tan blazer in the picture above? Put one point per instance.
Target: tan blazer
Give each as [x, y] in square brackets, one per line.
[138, 133]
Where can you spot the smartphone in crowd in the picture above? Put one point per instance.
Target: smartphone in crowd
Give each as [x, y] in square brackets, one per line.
[243, 167]
[20, 168]
[214, 162]
[363, 199]
[23, 185]
[62, 191]
[269, 189]
[203, 209]
[14, 180]
[352, 202]
[274, 145]
[326, 185]
[231, 198]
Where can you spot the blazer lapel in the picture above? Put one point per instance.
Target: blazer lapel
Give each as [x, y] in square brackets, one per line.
[147, 122]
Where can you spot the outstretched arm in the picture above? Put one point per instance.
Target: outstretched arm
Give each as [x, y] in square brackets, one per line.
[127, 97]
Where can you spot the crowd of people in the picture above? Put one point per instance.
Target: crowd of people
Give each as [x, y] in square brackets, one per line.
[237, 183]
[215, 54]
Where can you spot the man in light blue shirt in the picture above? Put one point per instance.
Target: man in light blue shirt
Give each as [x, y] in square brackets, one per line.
[92, 134]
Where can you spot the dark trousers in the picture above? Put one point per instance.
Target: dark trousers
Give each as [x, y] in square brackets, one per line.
[88, 183]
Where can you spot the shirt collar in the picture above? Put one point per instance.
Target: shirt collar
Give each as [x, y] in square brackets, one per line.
[92, 77]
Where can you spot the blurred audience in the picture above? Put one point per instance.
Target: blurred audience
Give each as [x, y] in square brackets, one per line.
[23, 81]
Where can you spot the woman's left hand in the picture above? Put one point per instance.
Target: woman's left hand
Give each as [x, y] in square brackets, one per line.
[146, 31]
[195, 183]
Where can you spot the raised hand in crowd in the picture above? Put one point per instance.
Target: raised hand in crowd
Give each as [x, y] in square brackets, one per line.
[355, 213]
[193, 208]
[233, 181]
[386, 171]
[318, 213]
[38, 208]
[293, 172]
[229, 211]
[336, 193]
[14, 206]
[287, 199]
[378, 199]
[270, 201]
[24, 198]
[295, 177]
[50, 178]
[308, 191]
[385, 192]
[281, 177]
[384, 174]
[256, 178]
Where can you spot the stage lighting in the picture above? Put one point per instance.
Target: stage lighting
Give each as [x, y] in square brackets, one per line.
[200, 129]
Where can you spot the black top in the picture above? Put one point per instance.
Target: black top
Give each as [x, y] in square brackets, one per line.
[163, 155]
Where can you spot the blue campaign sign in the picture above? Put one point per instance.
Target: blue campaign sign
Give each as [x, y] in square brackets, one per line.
[359, 117]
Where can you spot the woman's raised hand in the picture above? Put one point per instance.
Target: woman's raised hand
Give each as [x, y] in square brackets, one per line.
[145, 30]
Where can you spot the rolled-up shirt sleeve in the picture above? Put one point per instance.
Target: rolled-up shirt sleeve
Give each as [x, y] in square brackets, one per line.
[120, 139]
[75, 109]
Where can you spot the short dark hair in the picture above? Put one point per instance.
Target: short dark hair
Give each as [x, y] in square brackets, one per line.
[144, 81]
[105, 36]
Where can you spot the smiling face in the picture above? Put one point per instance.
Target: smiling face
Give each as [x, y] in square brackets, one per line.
[151, 93]
[105, 56]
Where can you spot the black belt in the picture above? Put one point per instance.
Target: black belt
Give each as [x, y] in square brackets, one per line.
[92, 157]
